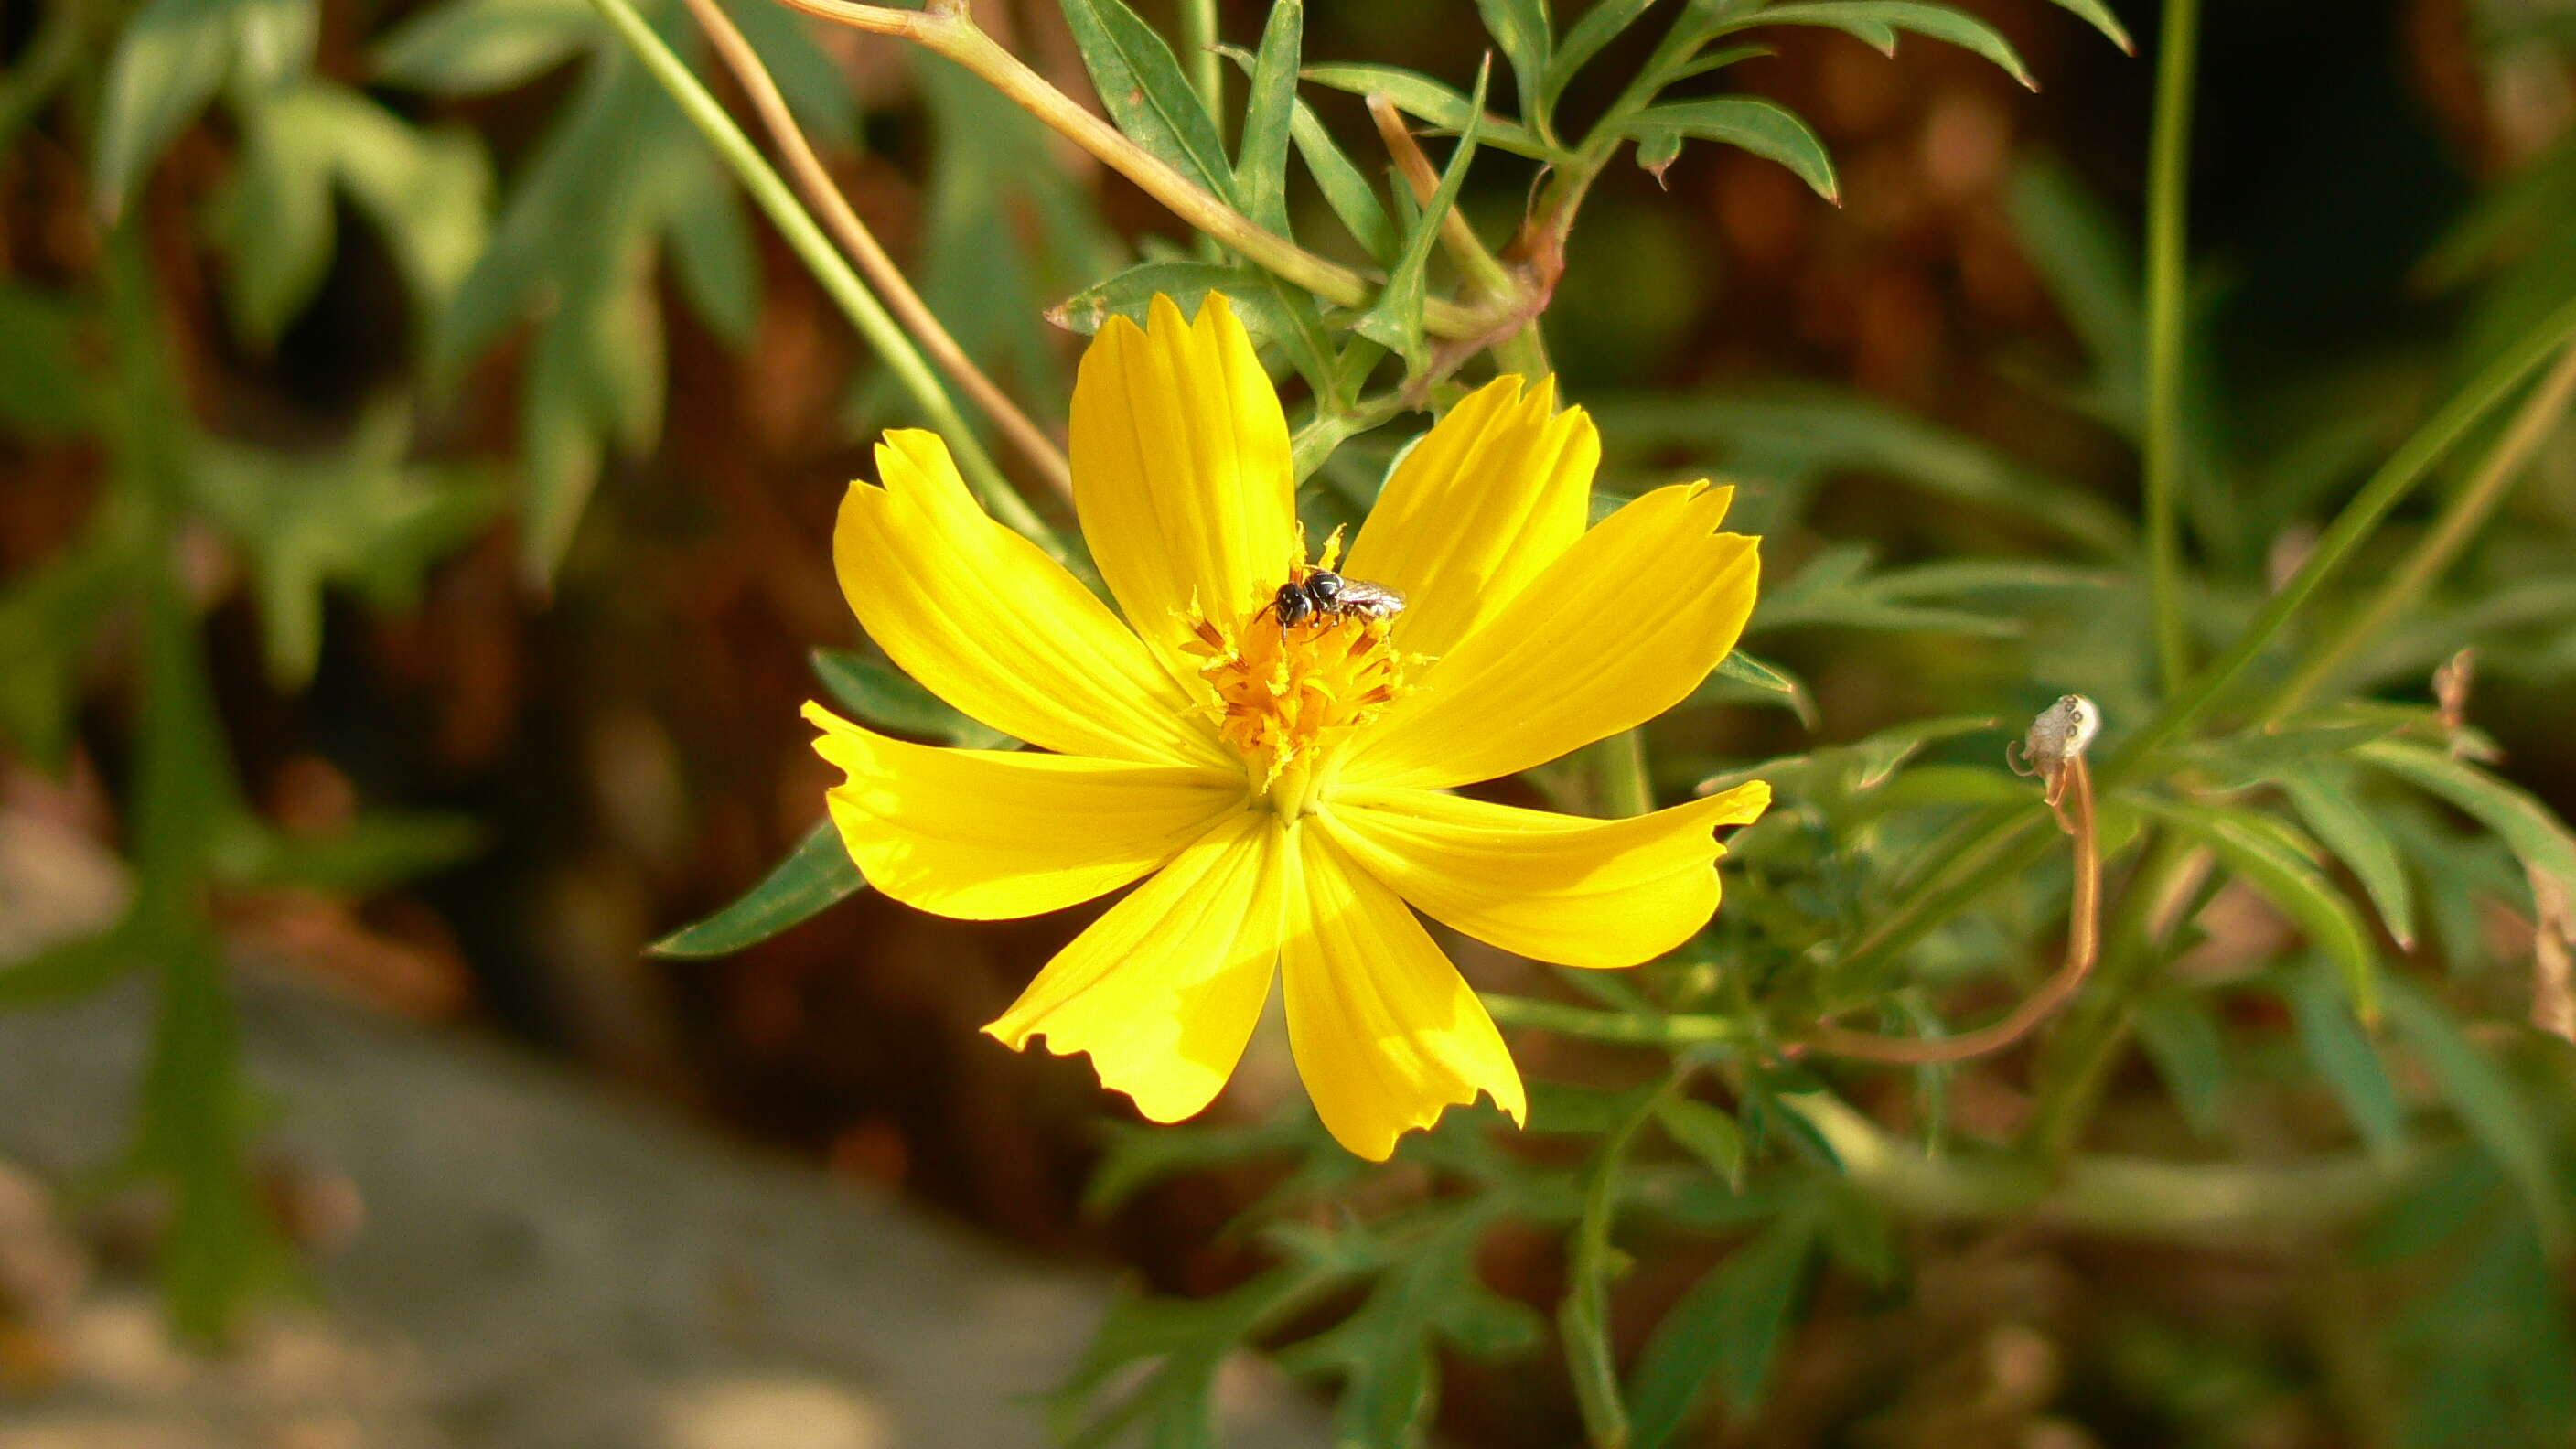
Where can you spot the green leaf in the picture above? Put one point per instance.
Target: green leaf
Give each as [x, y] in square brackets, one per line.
[1528, 39]
[1723, 1333]
[273, 218]
[69, 970]
[427, 192]
[471, 47]
[1346, 190]
[1419, 95]
[1824, 431]
[713, 252]
[2279, 864]
[1875, 23]
[816, 88]
[1394, 320]
[2535, 835]
[886, 697]
[378, 849]
[1261, 164]
[1765, 128]
[1384, 1351]
[1739, 674]
[2323, 795]
[1600, 25]
[1657, 151]
[816, 875]
[44, 391]
[2345, 1058]
[359, 514]
[2487, 1102]
[2182, 1038]
[2098, 15]
[1707, 1133]
[273, 44]
[47, 618]
[1130, 294]
[1145, 93]
[166, 65]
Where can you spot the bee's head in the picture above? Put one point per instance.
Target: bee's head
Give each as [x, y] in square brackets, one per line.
[1291, 604]
[1324, 586]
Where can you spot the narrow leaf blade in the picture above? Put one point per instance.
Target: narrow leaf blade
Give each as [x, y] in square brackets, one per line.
[815, 876]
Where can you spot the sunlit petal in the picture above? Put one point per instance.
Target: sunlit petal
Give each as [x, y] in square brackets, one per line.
[1623, 626]
[1164, 990]
[988, 622]
[1387, 1034]
[991, 834]
[1181, 470]
[1553, 887]
[1489, 498]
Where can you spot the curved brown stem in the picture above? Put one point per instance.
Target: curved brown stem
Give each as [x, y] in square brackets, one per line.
[842, 221]
[2083, 943]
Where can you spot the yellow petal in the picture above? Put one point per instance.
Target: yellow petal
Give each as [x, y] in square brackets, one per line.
[1181, 471]
[985, 620]
[1489, 497]
[1552, 887]
[1163, 990]
[991, 834]
[1623, 626]
[1386, 1032]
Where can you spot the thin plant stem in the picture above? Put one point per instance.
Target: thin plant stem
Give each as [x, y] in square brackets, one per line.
[2167, 286]
[829, 267]
[2010, 842]
[1628, 1028]
[1207, 67]
[2360, 518]
[2083, 942]
[948, 31]
[842, 221]
[2121, 1197]
[2072, 1073]
[1627, 787]
[2460, 520]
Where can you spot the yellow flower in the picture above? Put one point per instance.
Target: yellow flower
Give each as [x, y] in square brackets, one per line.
[1283, 792]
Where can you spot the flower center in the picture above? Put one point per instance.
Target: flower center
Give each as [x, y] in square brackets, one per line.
[1286, 694]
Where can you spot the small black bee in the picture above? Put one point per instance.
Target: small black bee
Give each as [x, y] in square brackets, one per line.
[1327, 595]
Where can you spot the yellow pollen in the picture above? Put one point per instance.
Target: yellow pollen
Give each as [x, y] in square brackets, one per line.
[1285, 695]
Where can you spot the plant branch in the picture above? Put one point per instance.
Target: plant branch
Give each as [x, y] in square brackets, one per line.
[2122, 1197]
[2460, 520]
[842, 220]
[947, 31]
[815, 249]
[2083, 943]
[1628, 1028]
[2168, 185]
[2010, 841]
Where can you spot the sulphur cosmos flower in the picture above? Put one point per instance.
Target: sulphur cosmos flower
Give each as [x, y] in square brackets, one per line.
[1284, 794]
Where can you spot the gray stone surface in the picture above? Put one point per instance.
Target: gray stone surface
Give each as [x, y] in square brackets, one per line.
[532, 1261]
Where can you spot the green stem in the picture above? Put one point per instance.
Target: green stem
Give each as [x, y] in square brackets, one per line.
[1627, 788]
[1636, 1028]
[2360, 518]
[2120, 1197]
[2167, 286]
[2009, 843]
[2460, 520]
[1207, 67]
[829, 267]
[1583, 1319]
